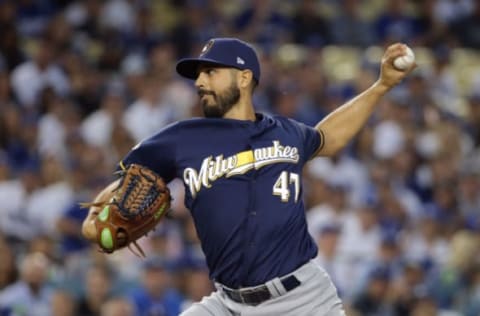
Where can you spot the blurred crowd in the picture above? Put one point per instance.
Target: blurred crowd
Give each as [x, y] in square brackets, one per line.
[396, 215]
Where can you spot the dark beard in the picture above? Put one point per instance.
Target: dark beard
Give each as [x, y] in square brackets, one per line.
[223, 102]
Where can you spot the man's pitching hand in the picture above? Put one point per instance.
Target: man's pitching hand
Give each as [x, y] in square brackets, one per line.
[389, 75]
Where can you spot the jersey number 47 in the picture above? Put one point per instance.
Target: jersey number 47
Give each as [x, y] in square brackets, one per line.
[282, 186]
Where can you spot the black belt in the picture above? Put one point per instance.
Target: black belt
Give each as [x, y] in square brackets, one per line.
[259, 294]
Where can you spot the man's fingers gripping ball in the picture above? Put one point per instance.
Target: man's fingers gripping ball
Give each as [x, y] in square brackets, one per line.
[406, 60]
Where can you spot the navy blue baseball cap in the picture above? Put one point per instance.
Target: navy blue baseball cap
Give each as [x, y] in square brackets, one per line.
[229, 52]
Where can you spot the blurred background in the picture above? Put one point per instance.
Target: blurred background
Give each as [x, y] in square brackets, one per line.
[395, 215]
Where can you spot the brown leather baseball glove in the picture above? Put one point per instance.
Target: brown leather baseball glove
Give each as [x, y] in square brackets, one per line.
[138, 203]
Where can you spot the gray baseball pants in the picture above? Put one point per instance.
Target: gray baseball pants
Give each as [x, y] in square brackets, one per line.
[315, 296]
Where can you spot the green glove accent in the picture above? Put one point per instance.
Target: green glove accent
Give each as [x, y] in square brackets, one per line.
[160, 211]
[106, 238]
[103, 216]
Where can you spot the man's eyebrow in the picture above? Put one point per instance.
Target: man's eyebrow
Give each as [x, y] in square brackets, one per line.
[207, 66]
[202, 67]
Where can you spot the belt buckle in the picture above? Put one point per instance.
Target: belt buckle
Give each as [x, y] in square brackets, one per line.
[235, 295]
[247, 293]
[241, 297]
[258, 295]
[238, 294]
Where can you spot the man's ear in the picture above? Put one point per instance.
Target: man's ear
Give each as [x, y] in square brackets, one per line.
[245, 78]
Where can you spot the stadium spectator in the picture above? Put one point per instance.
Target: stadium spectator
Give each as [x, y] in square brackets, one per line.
[8, 271]
[63, 303]
[117, 307]
[349, 28]
[309, 26]
[97, 289]
[31, 294]
[155, 294]
[194, 281]
[31, 77]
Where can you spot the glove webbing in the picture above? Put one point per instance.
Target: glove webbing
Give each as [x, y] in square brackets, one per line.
[149, 197]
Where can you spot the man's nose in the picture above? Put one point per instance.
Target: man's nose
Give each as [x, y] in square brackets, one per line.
[200, 81]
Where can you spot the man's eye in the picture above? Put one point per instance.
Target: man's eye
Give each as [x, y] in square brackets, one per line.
[210, 71]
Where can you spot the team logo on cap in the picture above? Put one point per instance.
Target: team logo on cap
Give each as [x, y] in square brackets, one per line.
[207, 47]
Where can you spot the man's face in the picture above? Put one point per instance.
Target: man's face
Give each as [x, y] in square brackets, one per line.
[218, 90]
[155, 281]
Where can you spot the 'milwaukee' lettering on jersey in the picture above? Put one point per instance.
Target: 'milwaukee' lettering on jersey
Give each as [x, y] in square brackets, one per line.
[214, 168]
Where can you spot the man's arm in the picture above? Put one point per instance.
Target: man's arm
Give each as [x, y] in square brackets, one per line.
[340, 126]
[88, 227]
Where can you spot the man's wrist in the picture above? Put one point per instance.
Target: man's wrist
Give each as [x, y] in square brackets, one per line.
[381, 87]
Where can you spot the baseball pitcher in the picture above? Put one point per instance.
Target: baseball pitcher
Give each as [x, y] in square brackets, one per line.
[242, 173]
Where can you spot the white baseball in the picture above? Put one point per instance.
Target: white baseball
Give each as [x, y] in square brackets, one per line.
[406, 61]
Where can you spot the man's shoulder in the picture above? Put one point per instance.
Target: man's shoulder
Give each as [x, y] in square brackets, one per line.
[186, 126]
[208, 124]
[288, 123]
[191, 122]
[283, 119]
[182, 130]
[214, 125]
